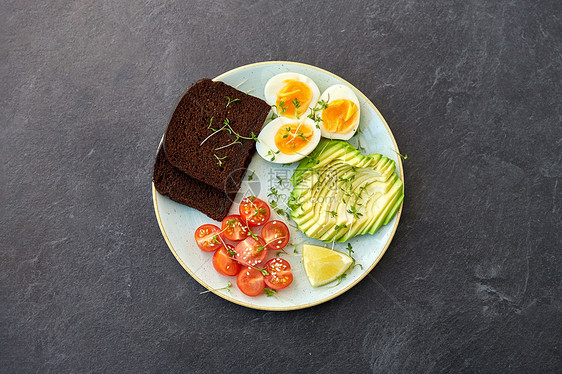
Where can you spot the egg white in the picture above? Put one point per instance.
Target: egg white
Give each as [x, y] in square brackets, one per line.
[338, 92]
[275, 84]
[266, 141]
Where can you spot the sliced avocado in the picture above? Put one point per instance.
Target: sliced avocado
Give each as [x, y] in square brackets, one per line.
[339, 193]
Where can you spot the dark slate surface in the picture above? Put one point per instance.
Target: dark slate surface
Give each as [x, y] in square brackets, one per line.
[471, 281]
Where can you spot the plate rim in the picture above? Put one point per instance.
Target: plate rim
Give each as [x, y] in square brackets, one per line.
[343, 290]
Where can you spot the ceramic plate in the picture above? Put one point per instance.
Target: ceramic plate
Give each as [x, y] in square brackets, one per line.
[179, 222]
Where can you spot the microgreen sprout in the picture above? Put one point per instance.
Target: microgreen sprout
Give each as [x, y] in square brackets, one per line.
[350, 249]
[361, 266]
[219, 159]
[262, 247]
[340, 279]
[269, 292]
[348, 179]
[228, 145]
[258, 211]
[404, 157]
[301, 135]
[359, 145]
[226, 127]
[353, 211]
[251, 233]
[297, 105]
[272, 154]
[263, 271]
[230, 101]
[228, 285]
[321, 105]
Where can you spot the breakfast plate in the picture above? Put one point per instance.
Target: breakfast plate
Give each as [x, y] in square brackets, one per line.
[178, 222]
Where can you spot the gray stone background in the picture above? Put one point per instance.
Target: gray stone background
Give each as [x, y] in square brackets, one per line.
[471, 281]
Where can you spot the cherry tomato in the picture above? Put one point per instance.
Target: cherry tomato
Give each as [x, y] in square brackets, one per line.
[280, 274]
[234, 228]
[250, 251]
[250, 281]
[208, 237]
[276, 235]
[254, 211]
[224, 263]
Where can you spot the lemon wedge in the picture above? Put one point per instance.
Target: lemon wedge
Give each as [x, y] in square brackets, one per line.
[323, 265]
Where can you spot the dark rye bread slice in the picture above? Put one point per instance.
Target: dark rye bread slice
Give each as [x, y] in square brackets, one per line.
[189, 127]
[185, 190]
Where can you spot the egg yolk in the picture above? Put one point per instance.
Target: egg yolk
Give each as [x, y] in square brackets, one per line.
[293, 99]
[292, 138]
[340, 116]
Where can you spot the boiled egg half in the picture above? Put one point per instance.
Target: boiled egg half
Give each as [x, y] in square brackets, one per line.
[339, 112]
[291, 95]
[285, 140]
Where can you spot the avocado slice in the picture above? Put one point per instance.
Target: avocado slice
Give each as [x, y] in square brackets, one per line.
[339, 193]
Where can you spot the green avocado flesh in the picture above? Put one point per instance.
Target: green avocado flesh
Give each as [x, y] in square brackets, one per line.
[339, 193]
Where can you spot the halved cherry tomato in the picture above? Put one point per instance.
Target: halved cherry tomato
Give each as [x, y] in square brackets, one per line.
[208, 237]
[250, 281]
[224, 263]
[254, 211]
[234, 228]
[279, 273]
[276, 235]
[250, 251]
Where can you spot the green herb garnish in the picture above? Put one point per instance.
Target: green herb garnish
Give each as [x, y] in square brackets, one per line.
[230, 101]
[228, 285]
[269, 292]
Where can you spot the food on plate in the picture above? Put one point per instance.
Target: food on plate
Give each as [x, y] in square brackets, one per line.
[251, 251]
[276, 235]
[338, 112]
[211, 136]
[185, 190]
[286, 140]
[254, 211]
[234, 228]
[224, 263]
[339, 193]
[279, 274]
[208, 237]
[323, 265]
[250, 281]
[291, 95]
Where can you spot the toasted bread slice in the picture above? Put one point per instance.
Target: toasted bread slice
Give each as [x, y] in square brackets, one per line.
[205, 137]
[186, 190]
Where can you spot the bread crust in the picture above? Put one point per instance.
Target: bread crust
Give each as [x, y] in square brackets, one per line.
[181, 188]
[194, 148]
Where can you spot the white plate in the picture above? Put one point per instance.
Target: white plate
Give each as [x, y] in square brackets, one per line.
[178, 222]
